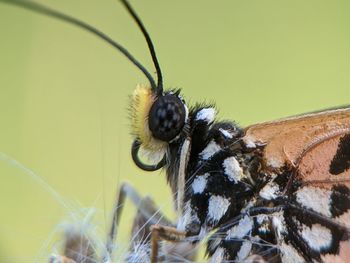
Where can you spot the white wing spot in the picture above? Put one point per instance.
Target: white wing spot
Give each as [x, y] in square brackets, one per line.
[199, 183]
[315, 198]
[318, 236]
[217, 207]
[289, 254]
[249, 143]
[206, 114]
[232, 169]
[269, 191]
[210, 150]
[274, 163]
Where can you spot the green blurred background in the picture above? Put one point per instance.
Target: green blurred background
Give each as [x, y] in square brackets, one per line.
[64, 95]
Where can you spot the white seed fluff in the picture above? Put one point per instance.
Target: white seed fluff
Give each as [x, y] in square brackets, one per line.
[218, 256]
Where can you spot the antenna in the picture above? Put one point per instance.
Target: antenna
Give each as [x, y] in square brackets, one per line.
[41, 9]
[149, 43]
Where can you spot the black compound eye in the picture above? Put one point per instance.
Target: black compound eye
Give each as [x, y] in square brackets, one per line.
[167, 117]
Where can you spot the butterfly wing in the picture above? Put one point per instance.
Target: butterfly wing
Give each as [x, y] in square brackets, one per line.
[259, 196]
[285, 140]
[314, 150]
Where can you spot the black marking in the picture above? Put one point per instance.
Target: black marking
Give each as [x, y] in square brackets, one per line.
[199, 203]
[341, 160]
[222, 139]
[262, 245]
[297, 241]
[231, 247]
[296, 216]
[340, 200]
[218, 184]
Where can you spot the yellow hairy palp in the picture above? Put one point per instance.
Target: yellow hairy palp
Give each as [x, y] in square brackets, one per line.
[141, 103]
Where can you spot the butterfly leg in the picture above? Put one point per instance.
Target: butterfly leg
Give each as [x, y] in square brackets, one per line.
[161, 232]
[78, 247]
[147, 214]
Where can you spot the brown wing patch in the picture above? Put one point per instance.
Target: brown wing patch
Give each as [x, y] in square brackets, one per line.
[326, 162]
[287, 140]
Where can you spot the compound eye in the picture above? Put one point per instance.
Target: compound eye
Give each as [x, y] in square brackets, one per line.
[167, 117]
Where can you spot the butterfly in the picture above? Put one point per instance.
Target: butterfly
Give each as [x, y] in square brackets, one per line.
[275, 192]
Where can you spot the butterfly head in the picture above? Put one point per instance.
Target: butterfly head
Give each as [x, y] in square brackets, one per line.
[156, 120]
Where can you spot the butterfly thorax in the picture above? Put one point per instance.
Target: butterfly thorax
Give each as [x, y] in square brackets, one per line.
[222, 174]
